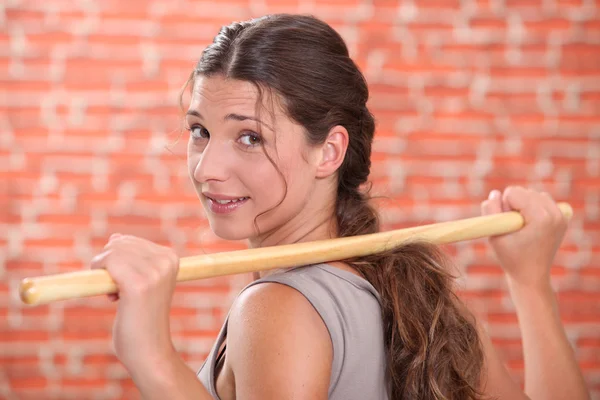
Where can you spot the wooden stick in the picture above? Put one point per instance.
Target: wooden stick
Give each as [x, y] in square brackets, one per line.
[45, 289]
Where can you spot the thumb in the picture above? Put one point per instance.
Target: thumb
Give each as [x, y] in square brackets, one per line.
[493, 204]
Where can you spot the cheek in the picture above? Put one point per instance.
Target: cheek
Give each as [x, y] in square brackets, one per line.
[292, 181]
[265, 183]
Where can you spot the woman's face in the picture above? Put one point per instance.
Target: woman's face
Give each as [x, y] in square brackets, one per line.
[233, 177]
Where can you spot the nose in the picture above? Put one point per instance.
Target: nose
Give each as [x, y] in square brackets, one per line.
[211, 163]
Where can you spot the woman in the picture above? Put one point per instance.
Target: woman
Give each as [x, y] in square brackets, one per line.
[279, 148]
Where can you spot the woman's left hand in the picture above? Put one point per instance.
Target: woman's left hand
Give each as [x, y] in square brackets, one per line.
[145, 274]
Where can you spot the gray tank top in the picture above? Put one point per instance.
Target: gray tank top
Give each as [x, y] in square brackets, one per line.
[350, 308]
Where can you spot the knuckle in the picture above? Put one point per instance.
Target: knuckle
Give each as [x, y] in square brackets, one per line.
[115, 238]
[547, 217]
[169, 260]
[547, 199]
[154, 277]
[539, 213]
[512, 193]
[513, 188]
[509, 190]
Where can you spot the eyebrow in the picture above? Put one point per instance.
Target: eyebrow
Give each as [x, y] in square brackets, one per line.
[230, 117]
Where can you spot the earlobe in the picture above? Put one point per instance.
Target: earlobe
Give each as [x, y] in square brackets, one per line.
[332, 151]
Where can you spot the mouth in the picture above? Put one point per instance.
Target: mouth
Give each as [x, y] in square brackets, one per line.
[227, 201]
[224, 206]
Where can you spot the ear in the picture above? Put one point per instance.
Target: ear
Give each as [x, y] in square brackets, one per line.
[332, 151]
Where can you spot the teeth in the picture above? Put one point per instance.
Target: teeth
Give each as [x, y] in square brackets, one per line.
[230, 201]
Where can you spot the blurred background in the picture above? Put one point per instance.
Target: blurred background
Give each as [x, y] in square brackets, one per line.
[469, 96]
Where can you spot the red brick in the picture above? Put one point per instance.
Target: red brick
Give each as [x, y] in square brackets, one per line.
[564, 3]
[23, 265]
[436, 5]
[23, 336]
[84, 383]
[548, 25]
[514, 4]
[488, 23]
[48, 242]
[28, 383]
[21, 14]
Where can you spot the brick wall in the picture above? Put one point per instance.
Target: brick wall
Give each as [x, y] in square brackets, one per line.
[469, 95]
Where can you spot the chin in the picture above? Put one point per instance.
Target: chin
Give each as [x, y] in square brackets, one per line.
[229, 231]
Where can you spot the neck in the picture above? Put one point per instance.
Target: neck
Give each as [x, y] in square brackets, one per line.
[307, 226]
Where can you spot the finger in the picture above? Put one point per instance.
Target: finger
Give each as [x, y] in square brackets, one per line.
[134, 274]
[518, 198]
[145, 253]
[552, 209]
[123, 267]
[112, 238]
[131, 244]
[99, 262]
[493, 204]
[137, 264]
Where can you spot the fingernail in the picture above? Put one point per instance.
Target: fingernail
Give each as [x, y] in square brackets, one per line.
[114, 236]
[494, 194]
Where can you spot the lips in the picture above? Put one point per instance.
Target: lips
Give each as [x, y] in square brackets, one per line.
[223, 204]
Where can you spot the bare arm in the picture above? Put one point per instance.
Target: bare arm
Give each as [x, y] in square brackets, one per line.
[169, 378]
[145, 274]
[551, 370]
[278, 346]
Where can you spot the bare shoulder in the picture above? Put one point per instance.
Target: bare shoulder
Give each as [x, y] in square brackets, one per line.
[278, 346]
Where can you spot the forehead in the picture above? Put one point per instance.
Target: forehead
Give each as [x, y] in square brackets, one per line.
[217, 96]
[218, 90]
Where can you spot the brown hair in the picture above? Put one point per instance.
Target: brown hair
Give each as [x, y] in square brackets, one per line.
[433, 349]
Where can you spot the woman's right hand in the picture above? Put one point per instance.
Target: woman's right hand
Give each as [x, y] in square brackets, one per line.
[145, 274]
[527, 255]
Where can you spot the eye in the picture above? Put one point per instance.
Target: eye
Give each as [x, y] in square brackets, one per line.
[250, 139]
[199, 132]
